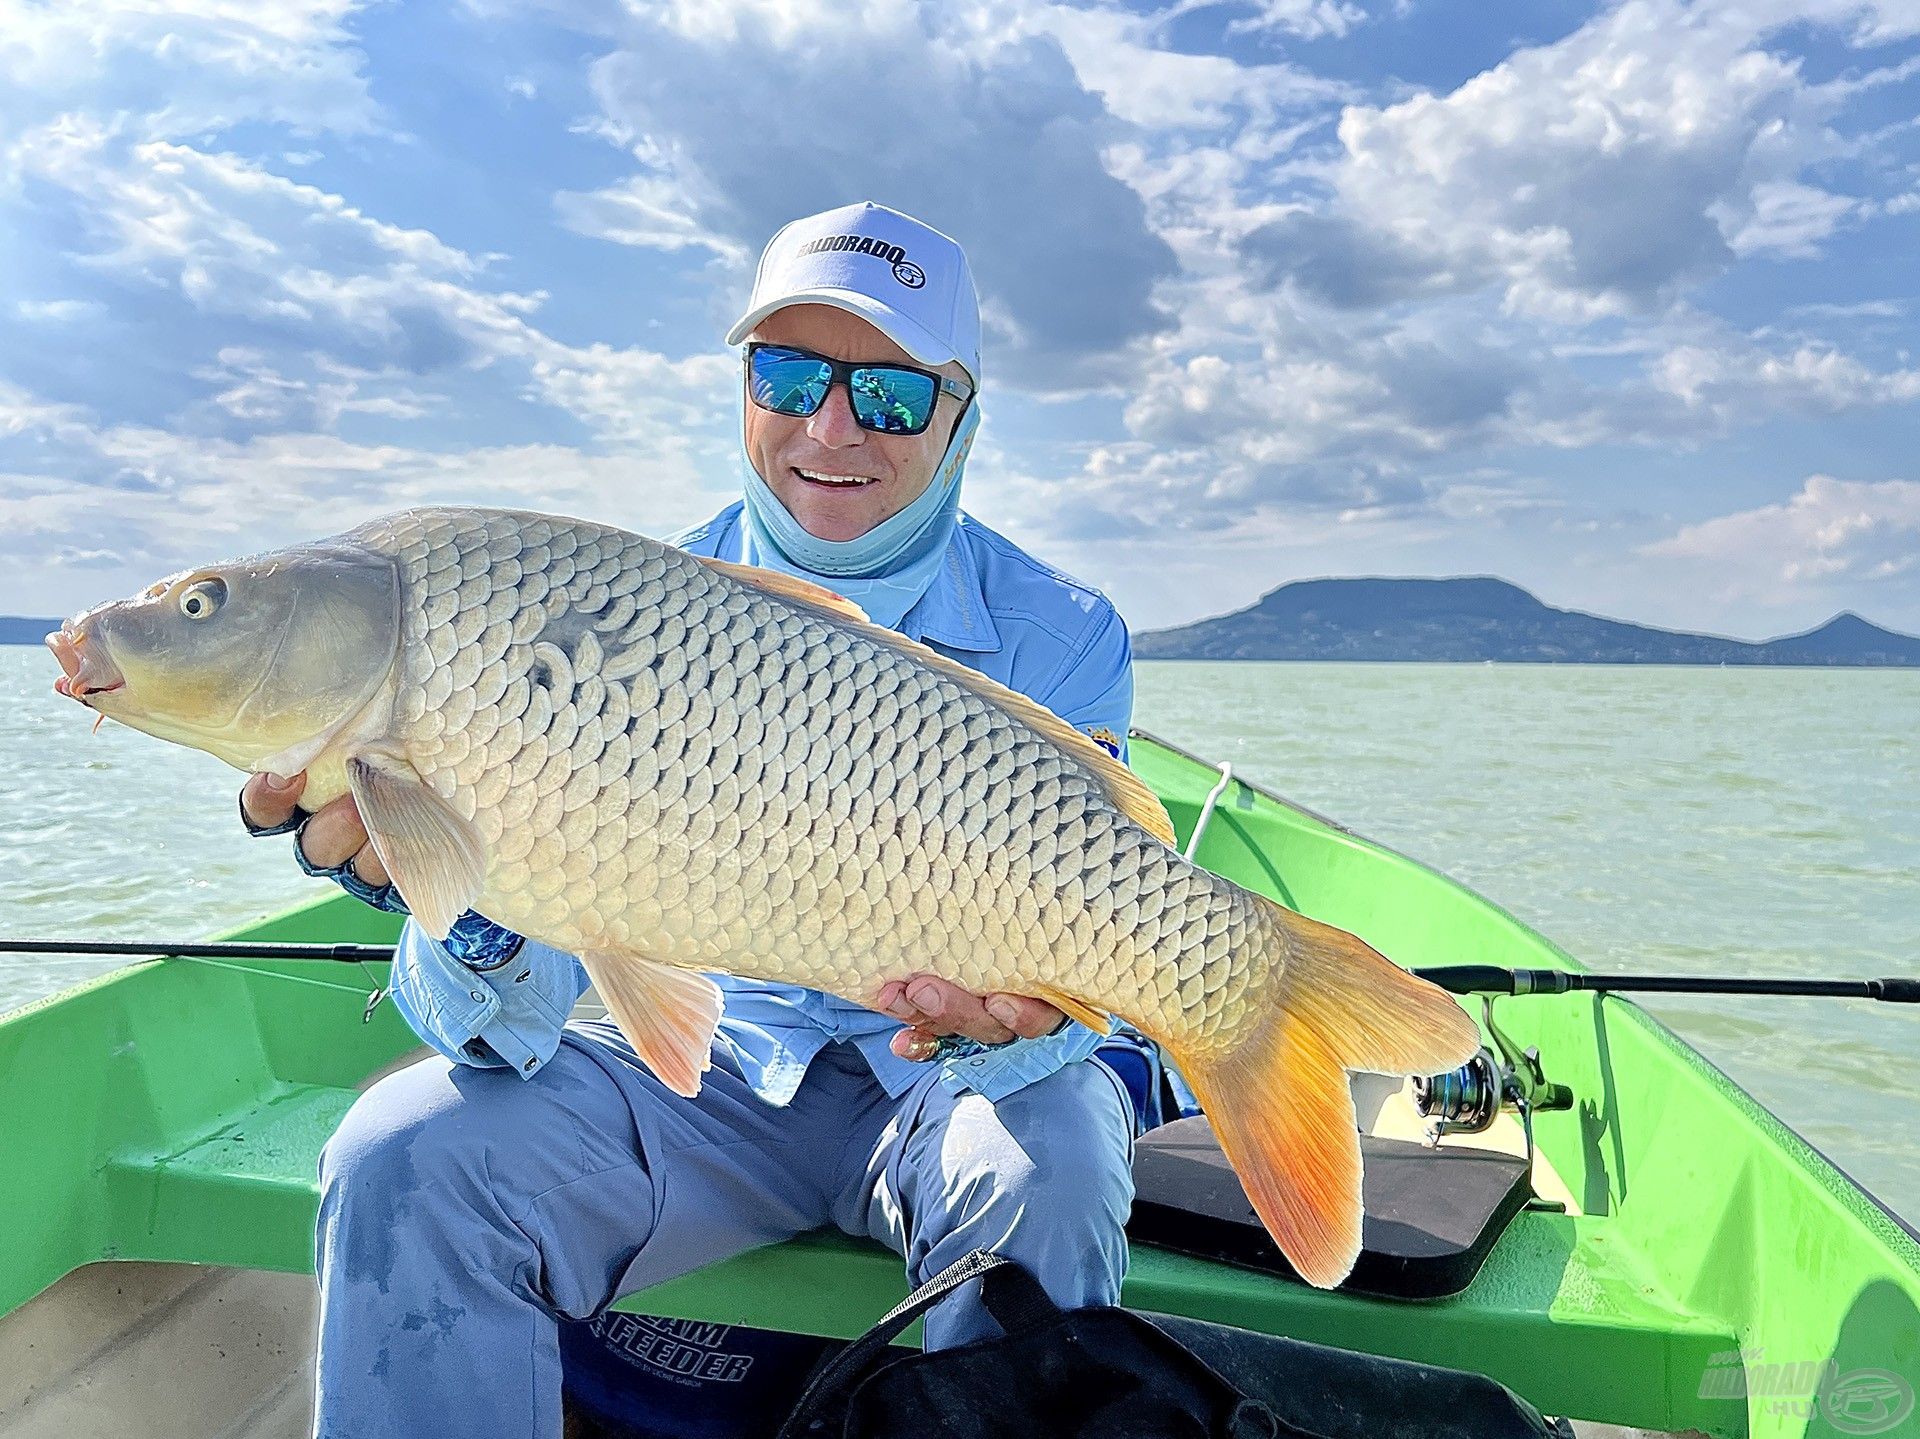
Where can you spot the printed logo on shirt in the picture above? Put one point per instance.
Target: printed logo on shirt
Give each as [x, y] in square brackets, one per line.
[1105, 738]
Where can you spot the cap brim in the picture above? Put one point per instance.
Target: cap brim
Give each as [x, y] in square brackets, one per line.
[909, 335]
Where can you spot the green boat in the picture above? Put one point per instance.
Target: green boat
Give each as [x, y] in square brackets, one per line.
[1686, 1264]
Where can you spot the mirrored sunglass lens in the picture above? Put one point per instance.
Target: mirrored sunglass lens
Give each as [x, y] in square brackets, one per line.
[893, 401]
[789, 384]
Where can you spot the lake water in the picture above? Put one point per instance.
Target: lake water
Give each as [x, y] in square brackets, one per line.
[1703, 821]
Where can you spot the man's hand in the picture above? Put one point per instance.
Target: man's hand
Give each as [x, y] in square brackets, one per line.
[932, 1007]
[332, 837]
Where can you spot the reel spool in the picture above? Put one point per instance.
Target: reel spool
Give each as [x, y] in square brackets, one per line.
[1463, 1101]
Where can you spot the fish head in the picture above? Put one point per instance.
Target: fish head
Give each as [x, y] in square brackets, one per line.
[258, 659]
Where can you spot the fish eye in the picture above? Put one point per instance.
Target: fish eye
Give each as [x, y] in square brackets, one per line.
[199, 600]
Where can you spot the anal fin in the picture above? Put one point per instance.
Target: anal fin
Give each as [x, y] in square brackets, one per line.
[668, 1015]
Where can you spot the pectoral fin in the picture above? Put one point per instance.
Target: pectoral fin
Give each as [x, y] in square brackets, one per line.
[668, 1015]
[436, 858]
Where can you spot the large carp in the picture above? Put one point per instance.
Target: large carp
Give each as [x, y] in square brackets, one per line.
[668, 765]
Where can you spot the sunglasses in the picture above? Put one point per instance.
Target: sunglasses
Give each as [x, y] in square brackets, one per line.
[887, 399]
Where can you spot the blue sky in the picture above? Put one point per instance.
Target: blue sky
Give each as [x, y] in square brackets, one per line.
[1618, 302]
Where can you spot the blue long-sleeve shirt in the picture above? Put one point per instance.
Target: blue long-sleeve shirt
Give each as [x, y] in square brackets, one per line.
[992, 607]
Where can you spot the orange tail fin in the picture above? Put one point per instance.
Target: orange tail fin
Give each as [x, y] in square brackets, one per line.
[1279, 1102]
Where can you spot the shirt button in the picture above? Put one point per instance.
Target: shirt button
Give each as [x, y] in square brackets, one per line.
[473, 1051]
[475, 994]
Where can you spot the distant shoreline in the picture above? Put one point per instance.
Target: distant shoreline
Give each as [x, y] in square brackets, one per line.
[1867, 665]
[1480, 619]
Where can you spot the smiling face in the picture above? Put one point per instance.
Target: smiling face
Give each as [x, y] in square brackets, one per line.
[837, 480]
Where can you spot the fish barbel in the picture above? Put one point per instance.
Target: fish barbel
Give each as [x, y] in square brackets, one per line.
[668, 765]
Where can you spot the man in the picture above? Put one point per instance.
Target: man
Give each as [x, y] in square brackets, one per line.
[534, 1172]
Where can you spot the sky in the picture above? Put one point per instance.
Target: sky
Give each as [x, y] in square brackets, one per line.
[1619, 302]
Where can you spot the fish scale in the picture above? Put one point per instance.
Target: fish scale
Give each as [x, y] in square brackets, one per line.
[669, 765]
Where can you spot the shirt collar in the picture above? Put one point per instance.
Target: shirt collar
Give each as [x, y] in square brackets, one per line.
[953, 612]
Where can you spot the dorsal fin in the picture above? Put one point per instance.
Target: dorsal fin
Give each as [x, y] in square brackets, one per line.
[1123, 787]
[789, 587]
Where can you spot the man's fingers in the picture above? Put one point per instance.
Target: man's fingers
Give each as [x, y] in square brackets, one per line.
[367, 865]
[930, 1007]
[269, 799]
[334, 835]
[892, 1000]
[1027, 1017]
[915, 1044]
[954, 1011]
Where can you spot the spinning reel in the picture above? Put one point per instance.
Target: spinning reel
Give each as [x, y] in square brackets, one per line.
[1468, 1100]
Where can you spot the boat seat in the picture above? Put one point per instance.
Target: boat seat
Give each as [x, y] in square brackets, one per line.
[1432, 1215]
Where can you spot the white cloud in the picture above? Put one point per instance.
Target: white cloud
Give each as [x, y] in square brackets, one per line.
[1309, 19]
[1122, 58]
[947, 98]
[1864, 22]
[1597, 176]
[1306, 19]
[1832, 530]
[342, 308]
[58, 312]
[128, 503]
[1745, 382]
[185, 67]
[643, 210]
[1790, 219]
[254, 390]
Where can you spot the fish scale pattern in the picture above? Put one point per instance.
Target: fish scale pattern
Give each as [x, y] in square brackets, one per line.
[666, 762]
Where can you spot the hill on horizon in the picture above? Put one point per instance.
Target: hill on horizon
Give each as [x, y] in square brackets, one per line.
[1473, 618]
[20, 630]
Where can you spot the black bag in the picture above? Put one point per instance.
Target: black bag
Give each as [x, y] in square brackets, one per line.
[1108, 1373]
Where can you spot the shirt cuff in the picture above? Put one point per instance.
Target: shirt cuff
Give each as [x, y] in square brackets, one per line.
[1003, 1069]
[509, 1016]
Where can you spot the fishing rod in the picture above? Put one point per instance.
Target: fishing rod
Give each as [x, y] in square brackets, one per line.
[1465, 979]
[1492, 979]
[148, 949]
[214, 951]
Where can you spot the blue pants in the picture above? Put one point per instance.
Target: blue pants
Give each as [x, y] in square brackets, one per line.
[463, 1211]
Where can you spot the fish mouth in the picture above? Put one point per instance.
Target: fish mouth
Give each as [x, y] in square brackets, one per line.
[86, 670]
